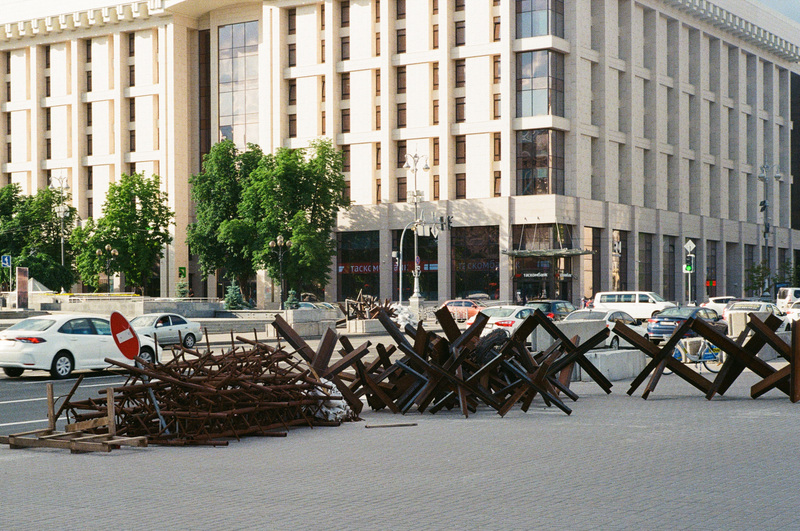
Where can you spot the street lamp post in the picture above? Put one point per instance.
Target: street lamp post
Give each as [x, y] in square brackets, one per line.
[412, 163]
[112, 253]
[62, 209]
[279, 246]
[763, 177]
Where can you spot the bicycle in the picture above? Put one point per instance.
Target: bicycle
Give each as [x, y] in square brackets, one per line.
[710, 355]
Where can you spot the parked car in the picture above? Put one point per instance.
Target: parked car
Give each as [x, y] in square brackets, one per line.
[169, 328]
[793, 313]
[662, 326]
[463, 309]
[787, 297]
[554, 309]
[754, 307]
[639, 304]
[507, 318]
[62, 344]
[718, 303]
[610, 318]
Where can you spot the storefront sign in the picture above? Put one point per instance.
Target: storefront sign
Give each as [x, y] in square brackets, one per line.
[359, 269]
[534, 275]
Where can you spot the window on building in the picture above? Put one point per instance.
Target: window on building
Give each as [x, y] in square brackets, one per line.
[401, 115]
[497, 147]
[88, 50]
[291, 16]
[496, 105]
[345, 14]
[540, 162]
[345, 120]
[540, 83]
[48, 148]
[401, 79]
[131, 109]
[89, 116]
[378, 191]
[47, 86]
[461, 110]
[377, 44]
[346, 86]
[496, 68]
[48, 118]
[8, 151]
[132, 75]
[402, 189]
[435, 37]
[131, 44]
[436, 187]
[378, 156]
[497, 183]
[435, 112]
[89, 177]
[8, 88]
[461, 149]
[89, 207]
[292, 92]
[88, 82]
[435, 75]
[346, 158]
[238, 82]
[435, 7]
[496, 29]
[401, 40]
[436, 151]
[8, 62]
[461, 72]
[132, 140]
[322, 51]
[345, 49]
[460, 32]
[323, 125]
[292, 125]
[89, 147]
[8, 123]
[544, 17]
[401, 9]
[377, 117]
[291, 54]
[322, 90]
[402, 149]
[322, 16]
[461, 185]
[460, 5]
[377, 10]
[47, 56]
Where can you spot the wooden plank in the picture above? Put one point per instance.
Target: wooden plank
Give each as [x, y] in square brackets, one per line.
[87, 424]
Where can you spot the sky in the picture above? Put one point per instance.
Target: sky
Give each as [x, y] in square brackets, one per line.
[790, 8]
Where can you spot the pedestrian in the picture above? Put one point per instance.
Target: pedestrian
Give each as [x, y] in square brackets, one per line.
[191, 292]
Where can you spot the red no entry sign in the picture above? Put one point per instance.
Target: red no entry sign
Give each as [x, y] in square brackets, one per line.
[124, 336]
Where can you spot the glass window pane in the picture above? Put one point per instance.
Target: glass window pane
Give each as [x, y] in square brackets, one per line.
[225, 33]
[251, 133]
[252, 101]
[226, 104]
[225, 71]
[238, 35]
[251, 67]
[238, 69]
[251, 33]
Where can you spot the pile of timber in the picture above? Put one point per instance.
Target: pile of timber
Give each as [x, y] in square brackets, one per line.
[366, 307]
[204, 398]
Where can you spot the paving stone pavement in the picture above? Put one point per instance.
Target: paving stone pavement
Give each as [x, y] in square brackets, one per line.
[674, 461]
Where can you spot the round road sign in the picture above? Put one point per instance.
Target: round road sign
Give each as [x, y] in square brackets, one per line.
[124, 336]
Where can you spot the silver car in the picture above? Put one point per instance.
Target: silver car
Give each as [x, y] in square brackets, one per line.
[169, 328]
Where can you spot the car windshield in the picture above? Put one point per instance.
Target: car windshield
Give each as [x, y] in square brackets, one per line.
[142, 320]
[498, 311]
[34, 325]
[677, 312]
[657, 297]
[543, 306]
[578, 316]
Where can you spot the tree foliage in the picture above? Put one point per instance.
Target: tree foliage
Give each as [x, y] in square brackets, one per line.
[219, 238]
[296, 193]
[135, 222]
[30, 231]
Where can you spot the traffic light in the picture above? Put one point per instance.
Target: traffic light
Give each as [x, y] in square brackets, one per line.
[688, 267]
[763, 204]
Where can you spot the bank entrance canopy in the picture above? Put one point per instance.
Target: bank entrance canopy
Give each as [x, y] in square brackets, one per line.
[548, 253]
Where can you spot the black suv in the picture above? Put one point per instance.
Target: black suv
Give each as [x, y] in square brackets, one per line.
[554, 309]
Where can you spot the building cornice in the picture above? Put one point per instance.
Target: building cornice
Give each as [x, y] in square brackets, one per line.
[81, 20]
[739, 27]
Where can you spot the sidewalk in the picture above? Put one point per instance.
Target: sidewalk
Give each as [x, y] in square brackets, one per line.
[674, 461]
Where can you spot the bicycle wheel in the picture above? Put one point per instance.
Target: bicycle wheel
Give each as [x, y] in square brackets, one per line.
[678, 355]
[714, 365]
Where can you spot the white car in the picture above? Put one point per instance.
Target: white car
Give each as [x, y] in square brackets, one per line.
[717, 303]
[793, 313]
[169, 328]
[507, 318]
[61, 344]
[610, 318]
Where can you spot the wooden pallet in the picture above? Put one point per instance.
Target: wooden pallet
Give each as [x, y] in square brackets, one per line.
[74, 438]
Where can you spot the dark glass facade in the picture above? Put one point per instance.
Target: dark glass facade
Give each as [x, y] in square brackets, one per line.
[540, 162]
[540, 83]
[475, 253]
[540, 17]
[429, 266]
[358, 264]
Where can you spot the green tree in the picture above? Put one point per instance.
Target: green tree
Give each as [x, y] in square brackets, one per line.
[296, 193]
[135, 222]
[219, 237]
[756, 277]
[31, 230]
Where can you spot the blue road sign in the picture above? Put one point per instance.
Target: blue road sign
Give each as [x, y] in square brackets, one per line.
[5, 260]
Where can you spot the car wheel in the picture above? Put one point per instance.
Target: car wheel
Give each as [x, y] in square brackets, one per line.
[189, 340]
[615, 343]
[62, 365]
[147, 356]
[13, 372]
